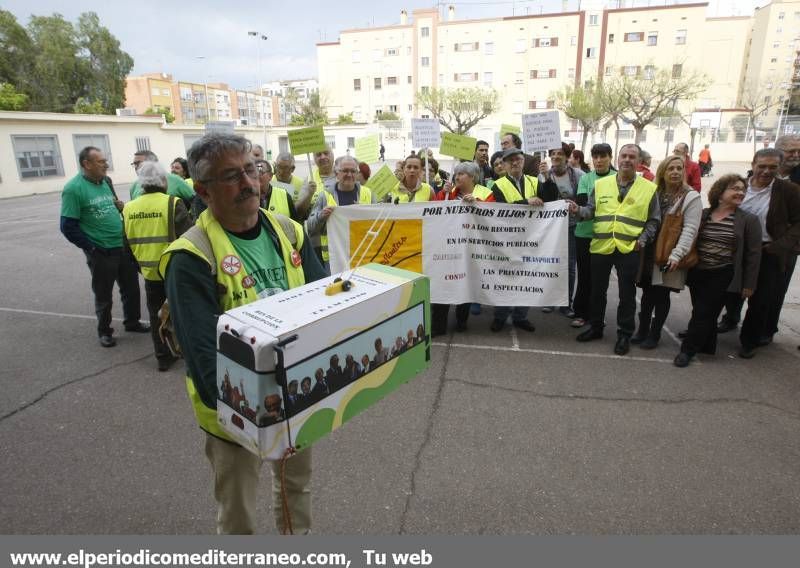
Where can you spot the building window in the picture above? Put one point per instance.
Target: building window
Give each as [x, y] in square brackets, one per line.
[540, 105]
[425, 89]
[634, 36]
[593, 19]
[441, 77]
[466, 46]
[610, 38]
[356, 84]
[356, 57]
[488, 48]
[609, 70]
[677, 69]
[391, 51]
[630, 70]
[37, 156]
[186, 93]
[519, 78]
[649, 72]
[776, 45]
[425, 32]
[545, 42]
[543, 74]
[155, 91]
[465, 77]
[81, 141]
[573, 41]
[591, 52]
[773, 60]
[520, 46]
[781, 15]
[571, 73]
[409, 79]
[377, 83]
[487, 79]
[779, 30]
[391, 80]
[426, 62]
[680, 37]
[652, 38]
[392, 108]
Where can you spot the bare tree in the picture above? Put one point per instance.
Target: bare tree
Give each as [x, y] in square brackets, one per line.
[655, 93]
[458, 110]
[756, 100]
[583, 104]
[613, 105]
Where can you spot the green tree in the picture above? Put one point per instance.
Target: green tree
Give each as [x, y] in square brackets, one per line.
[458, 110]
[57, 78]
[166, 111]
[345, 119]
[312, 113]
[653, 95]
[103, 63]
[16, 52]
[583, 104]
[11, 99]
[85, 106]
[388, 115]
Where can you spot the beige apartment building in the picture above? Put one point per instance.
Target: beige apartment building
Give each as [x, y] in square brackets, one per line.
[371, 71]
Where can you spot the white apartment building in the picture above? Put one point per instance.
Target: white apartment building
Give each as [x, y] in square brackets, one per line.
[303, 87]
[528, 58]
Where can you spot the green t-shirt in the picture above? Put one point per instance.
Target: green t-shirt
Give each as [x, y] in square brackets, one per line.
[92, 204]
[263, 265]
[585, 229]
[176, 187]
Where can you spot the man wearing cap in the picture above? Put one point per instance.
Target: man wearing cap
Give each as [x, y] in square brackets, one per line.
[626, 216]
[152, 222]
[509, 141]
[516, 187]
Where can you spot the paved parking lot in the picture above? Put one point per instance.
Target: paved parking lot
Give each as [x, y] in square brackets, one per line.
[505, 433]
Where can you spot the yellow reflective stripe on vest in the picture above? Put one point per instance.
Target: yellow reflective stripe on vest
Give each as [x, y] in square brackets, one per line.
[278, 201]
[235, 295]
[481, 192]
[364, 198]
[422, 194]
[512, 194]
[617, 225]
[147, 229]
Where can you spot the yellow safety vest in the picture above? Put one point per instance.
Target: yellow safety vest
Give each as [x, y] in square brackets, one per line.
[235, 294]
[320, 185]
[149, 228]
[364, 198]
[510, 191]
[481, 192]
[294, 186]
[617, 225]
[422, 194]
[278, 202]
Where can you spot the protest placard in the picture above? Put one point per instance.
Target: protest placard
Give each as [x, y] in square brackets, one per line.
[457, 146]
[368, 149]
[541, 131]
[382, 182]
[307, 140]
[425, 132]
[505, 128]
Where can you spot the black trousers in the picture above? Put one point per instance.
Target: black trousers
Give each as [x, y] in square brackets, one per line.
[626, 265]
[439, 313]
[764, 306]
[583, 291]
[707, 290]
[156, 294]
[108, 266]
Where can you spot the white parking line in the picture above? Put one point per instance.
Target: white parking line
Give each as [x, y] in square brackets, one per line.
[37, 313]
[553, 352]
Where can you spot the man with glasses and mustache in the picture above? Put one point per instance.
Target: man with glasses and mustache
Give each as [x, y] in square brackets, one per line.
[346, 191]
[235, 254]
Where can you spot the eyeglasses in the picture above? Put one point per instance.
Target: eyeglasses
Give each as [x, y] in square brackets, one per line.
[348, 171]
[235, 178]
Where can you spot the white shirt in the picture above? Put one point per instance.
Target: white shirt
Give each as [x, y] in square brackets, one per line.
[756, 201]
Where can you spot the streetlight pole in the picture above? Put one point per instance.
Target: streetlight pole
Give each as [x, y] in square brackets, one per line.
[259, 38]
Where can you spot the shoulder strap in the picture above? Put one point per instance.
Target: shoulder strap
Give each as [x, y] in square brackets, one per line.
[111, 186]
[199, 238]
[171, 219]
[288, 227]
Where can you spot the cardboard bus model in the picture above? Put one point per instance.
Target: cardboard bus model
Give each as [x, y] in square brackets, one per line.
[293, 367]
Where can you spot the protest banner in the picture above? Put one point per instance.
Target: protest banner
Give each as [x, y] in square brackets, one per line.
[368, 149]
[541, 131]
[382, 182]
[489, 253]
[306, 140]
[458, 146]
[425, 132]
[505, 128]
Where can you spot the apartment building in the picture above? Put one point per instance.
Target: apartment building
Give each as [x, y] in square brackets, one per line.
[528, 58]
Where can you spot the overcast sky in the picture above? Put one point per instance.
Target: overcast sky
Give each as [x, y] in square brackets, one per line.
[173, 36]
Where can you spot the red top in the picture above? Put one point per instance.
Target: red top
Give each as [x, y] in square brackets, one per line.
[645, 171]
[693, 174]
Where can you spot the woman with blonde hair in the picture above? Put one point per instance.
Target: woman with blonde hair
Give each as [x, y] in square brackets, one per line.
[658, 281]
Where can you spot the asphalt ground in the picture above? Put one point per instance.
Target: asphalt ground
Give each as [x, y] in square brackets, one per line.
[506, 433]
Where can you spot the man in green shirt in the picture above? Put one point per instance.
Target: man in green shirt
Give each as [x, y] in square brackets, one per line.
[91, 221]
[176, 186]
